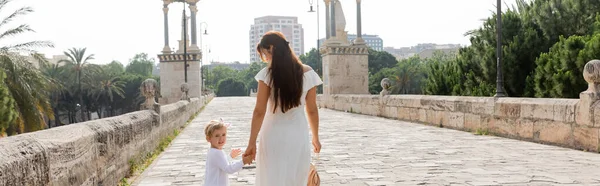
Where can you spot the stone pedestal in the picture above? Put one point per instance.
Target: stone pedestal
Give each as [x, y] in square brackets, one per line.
[345, 69]
[172, 76]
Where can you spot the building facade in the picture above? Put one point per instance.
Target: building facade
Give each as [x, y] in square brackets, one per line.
[373, 41]
[289, 26]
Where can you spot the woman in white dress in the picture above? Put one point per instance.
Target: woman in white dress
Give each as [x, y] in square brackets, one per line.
[285, 106]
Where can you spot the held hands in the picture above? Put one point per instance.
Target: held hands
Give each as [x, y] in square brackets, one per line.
[250, 153]
[235, 153]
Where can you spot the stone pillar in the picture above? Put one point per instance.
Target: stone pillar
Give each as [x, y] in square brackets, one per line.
[359, 40]
[586, 108]
[345, 69]
[332, 17]
[194, 11]
[166, 48]
[327, 19]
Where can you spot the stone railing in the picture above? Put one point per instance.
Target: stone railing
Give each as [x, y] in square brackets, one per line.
[573, 123]
[90, 153]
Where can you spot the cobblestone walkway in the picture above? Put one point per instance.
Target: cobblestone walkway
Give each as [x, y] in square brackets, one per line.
[365, 150]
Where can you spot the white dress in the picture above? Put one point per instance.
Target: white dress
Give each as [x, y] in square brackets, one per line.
[283, 152]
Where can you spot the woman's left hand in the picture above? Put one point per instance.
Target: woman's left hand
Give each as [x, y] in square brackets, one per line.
[317, 145]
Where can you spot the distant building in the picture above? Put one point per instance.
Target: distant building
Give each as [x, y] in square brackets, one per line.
[54, 60]
[234, 65]
[424, 50]
[373, 41]
[289, 26]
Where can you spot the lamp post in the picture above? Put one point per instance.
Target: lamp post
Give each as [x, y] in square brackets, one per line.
[499, 78]
[185, 65]
[202, 44]
[311, 10]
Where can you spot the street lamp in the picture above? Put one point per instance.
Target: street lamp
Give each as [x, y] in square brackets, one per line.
[201, 44]
[499, 78]
[185, 65]
[311, 10]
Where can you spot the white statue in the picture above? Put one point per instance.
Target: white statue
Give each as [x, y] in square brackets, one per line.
[340, 23]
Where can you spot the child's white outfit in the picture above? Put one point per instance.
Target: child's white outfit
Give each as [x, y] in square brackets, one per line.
[218, 168]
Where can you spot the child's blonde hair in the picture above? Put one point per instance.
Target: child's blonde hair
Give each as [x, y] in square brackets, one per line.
[212, 126]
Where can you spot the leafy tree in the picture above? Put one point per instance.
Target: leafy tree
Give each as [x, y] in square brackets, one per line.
[103, 86]
[559, 72]
[78, 63]
[231, 87]
[8, 112]
[141, 64]
[247, 75]
[220, 73]
[380, 60]
[114, 67]
[27, 87]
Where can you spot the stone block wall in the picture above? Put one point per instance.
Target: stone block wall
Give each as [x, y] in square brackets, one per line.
[549, 121]
[90, 153]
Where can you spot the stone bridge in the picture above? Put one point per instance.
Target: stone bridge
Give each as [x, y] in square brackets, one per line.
[367, 140]
[359, 149]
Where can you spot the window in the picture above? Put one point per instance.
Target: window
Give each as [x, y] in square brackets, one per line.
[296, 26]
[277, 26]
[296, 40]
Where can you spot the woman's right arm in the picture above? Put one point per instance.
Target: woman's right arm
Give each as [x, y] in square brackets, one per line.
[262, 98]
[313, 117]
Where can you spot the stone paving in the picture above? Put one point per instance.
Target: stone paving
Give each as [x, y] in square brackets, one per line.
[366, 150]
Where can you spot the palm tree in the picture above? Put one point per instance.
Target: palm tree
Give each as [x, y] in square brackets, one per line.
[103, 85]
[8, 113]
[27, 86]
[77, 62]
[57, 74]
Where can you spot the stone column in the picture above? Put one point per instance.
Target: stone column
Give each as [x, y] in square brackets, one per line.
[327, 19]
[332, 17]
[359, 40]
[166, 48]
[194, 10]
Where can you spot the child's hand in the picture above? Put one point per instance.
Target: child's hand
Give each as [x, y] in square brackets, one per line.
[247, 160]
[235, 153]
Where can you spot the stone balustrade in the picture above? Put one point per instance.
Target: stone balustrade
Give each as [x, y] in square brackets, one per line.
[572, 123]
[95, 152]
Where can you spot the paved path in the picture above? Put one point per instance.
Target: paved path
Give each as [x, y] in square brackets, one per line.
[365, 150]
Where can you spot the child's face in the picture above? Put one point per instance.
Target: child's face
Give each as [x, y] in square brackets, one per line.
[218, 138]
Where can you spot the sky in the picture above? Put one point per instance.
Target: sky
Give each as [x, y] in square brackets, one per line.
[118, 29]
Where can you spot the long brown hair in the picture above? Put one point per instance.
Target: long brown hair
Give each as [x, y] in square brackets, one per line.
[287, 73]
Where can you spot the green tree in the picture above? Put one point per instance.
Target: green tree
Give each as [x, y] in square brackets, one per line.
[141, 64]
[78, 63]
[559, 72]
[314, 60]
[114, 67]
[247, 75]
[27, 87]
[231, 87]
[219, 73]
[8, 112]
[58, 76]
[103, 86]
[380, 60]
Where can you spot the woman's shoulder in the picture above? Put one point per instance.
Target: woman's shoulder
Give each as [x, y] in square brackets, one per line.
[306, 68]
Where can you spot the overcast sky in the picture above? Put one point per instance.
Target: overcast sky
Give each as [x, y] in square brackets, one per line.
[118, 29]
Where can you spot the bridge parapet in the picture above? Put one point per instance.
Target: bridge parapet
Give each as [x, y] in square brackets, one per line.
[573, 123]
[96, 152]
